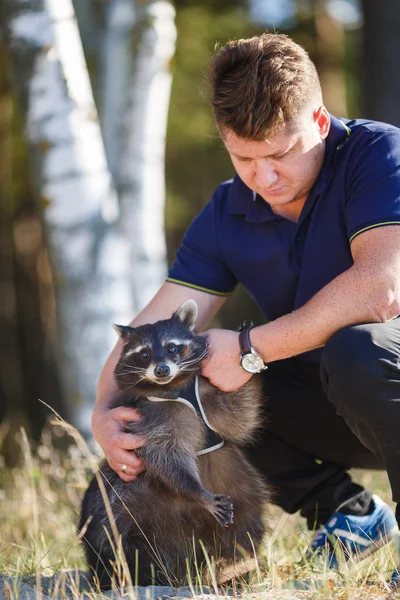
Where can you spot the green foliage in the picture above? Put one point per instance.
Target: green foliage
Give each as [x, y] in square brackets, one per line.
[218, 6]
[196, 161]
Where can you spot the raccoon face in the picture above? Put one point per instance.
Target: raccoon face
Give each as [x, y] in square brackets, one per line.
[167, 353]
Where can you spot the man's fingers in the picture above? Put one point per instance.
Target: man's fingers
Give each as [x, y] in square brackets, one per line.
[127, 478]
[126, 414]
[130, 441]
[124, 472]
[126, 464]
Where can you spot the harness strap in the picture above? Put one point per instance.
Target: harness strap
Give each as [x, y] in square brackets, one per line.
[213, 440]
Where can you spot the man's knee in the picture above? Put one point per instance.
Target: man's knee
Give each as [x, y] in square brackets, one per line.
[351, 350]
[359, 356]
[361, 377]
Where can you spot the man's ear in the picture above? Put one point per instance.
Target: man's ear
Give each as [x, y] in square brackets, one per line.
[322, 121]
[124, 331]
[187, 314]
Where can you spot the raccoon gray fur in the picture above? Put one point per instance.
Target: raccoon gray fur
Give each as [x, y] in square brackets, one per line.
[182, 500]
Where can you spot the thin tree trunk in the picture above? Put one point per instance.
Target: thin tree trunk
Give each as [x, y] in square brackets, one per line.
[11, 373]
[141, 179]
[78, 202]
[27, 364]
[330, 59]
[116, 74]
[381, 60]
[323, 37]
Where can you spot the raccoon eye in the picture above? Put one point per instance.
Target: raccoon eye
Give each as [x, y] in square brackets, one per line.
[172, 349]
[144, 354]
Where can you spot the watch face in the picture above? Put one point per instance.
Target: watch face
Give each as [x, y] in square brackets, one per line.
[252, 363]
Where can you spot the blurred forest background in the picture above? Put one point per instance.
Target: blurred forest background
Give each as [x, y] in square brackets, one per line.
[355, 45]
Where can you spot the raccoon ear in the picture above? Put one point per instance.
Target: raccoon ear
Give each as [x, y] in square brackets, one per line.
[124, 331]
[187, 314]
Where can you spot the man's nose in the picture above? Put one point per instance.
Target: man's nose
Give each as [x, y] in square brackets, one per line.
[265, 174]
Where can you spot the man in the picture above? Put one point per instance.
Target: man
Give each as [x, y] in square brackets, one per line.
[309, 225]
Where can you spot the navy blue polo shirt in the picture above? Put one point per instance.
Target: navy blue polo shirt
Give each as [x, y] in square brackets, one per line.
[238, 238]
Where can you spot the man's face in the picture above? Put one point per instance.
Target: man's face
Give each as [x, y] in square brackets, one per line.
[283, 168]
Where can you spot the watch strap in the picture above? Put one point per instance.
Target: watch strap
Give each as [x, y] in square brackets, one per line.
[244, 339]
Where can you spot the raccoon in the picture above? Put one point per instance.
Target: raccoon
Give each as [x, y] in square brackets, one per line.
[196, 476]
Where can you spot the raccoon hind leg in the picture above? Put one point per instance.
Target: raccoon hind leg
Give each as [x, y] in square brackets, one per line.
[104, 560]
[176, 466]
[170, 457]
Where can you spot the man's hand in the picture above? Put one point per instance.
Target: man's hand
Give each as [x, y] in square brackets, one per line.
[118, 446]
[221, 366]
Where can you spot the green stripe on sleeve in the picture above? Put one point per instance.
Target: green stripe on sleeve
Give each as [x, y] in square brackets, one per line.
[198, 287]
[372, 227]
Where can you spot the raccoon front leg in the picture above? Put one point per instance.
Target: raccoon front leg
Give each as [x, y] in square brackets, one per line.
[234, 415]
[177, 469]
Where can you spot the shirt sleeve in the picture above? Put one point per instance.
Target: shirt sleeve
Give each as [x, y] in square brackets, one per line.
[373, 198]
[198, 263]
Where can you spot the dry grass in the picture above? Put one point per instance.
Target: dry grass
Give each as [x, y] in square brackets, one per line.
[39, 507]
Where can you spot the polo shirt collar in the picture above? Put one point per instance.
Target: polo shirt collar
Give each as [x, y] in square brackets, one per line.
[243, 201]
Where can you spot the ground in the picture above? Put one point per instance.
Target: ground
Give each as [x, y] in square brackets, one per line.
[39, 507]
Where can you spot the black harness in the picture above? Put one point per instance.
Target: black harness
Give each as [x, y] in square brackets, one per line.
[192, 399]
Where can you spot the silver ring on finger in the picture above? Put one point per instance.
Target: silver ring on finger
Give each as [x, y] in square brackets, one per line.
[123, 468]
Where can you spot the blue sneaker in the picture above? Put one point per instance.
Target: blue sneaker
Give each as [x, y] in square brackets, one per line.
[394, 582]
[353, 536]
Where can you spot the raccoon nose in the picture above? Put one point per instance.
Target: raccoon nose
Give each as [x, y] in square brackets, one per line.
[162, 370]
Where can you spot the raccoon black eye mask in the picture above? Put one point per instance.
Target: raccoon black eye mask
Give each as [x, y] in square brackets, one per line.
[167, 354]
[162, 360]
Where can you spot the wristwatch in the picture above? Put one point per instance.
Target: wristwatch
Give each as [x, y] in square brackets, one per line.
[250, 360]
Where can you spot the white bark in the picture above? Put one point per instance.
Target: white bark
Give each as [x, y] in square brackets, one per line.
[142, 180]
[116, 77]
[80, 209]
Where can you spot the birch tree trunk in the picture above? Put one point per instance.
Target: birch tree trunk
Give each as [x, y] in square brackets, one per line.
[78, 202]
[141, 178]
[116, 78]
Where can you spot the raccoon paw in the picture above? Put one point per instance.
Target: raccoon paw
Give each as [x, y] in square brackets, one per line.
[221, 507]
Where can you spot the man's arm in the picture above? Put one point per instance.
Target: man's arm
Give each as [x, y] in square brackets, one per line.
[368, 292]
[107, 423]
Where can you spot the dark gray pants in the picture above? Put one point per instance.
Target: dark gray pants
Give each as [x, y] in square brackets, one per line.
[323, 419]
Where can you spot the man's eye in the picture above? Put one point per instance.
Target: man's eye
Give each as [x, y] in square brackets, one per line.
[172, 349]
[144, 354]
[282, 156]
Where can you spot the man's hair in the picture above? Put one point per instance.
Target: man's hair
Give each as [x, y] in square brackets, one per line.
[260, 84]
